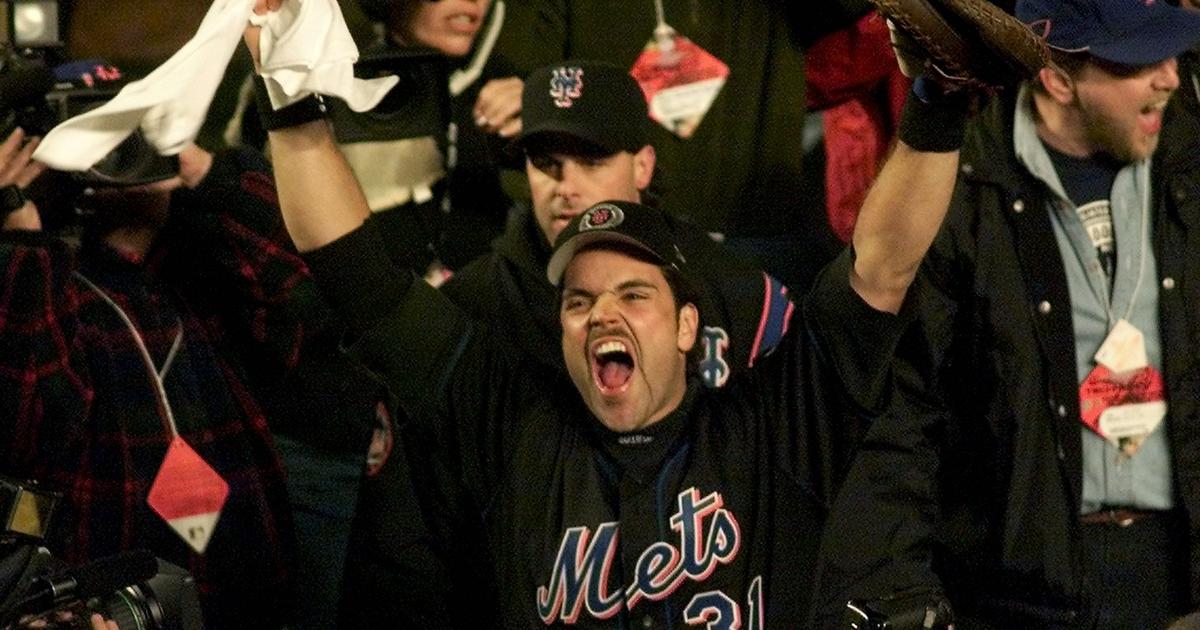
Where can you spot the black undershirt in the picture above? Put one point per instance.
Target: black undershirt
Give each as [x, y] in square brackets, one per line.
[641, 453]
[1088, 183]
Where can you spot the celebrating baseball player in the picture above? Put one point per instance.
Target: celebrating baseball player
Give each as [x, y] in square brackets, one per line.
[585, 139]
[640, 498]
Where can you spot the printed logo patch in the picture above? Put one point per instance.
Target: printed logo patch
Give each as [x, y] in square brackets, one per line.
[566, 85]
[714, 370]
[602, 217]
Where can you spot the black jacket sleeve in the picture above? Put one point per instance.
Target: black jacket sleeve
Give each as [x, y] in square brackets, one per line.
[880, 535]
[447, 374]
[827, 380]
[856, 341]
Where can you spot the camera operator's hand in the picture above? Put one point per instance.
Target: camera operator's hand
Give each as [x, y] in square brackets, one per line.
[194, 164]
[66, 620]
[498, 108]
[17, 168]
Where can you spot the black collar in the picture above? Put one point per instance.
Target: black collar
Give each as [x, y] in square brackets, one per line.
[642, 453]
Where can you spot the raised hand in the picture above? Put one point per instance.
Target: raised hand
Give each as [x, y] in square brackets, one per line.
[18, 170]
[498, 108]
[250, 35]
[194, 164]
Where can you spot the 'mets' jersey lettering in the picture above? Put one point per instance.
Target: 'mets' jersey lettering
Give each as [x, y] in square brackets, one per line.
[709, 535]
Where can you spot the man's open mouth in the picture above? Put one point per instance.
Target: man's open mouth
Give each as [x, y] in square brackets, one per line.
[612, 366]
[1150, 118]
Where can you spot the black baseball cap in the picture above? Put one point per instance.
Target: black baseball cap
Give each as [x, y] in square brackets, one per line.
[622, 223]
[592, 100]
[1128, 32]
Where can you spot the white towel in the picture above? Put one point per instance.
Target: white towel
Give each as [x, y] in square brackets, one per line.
[306, 48]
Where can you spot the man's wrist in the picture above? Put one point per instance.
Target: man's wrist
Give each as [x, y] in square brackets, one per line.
[12, 198]
[934, 120]
[307, 109]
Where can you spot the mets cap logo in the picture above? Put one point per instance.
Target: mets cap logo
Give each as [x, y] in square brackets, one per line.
[602, 217]
[566, 85]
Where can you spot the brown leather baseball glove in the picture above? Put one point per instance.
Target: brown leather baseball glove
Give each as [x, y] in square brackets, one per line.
[971, 43]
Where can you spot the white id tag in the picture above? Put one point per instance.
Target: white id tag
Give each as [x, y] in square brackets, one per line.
[1124, 349]
[1133, 420]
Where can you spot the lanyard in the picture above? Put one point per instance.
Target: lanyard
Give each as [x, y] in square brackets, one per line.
[663, 33]
[1099, 283]
[659, 15]
[1144, 235]
[156, 376]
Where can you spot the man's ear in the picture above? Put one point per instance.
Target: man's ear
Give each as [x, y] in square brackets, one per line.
[643, 166]
[689, 323]
[1058, 84]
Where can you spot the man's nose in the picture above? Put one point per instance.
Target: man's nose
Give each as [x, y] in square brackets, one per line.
[1166, 75]
[569, 178]
[604, 310]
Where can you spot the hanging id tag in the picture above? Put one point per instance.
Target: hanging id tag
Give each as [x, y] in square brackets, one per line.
[680, 80]
[188, 494]
[1122, 408]
[1124, 349]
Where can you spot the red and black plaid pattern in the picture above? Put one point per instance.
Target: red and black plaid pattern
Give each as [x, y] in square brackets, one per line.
[81, 410]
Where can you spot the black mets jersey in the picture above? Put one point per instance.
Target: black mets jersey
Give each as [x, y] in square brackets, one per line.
[709, 518]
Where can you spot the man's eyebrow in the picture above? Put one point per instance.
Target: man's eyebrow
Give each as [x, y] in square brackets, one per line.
[573, 292]
[636, 283]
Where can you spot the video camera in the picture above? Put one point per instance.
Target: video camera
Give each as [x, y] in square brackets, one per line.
[38, 90]
[133, 589]
[37, 98]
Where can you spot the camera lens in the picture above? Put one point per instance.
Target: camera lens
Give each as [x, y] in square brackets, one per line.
[133, 608]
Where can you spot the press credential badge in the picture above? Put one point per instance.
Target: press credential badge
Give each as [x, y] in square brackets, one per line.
[679, 78]
[1122, 399]
[188, 494]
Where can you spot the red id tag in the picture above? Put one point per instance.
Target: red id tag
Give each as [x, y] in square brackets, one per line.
[680, 80]
[188, 494]
[1122, 408]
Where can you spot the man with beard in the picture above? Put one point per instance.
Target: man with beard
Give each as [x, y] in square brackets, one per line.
[1059, 487]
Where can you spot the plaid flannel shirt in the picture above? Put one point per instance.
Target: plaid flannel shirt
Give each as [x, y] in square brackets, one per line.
[80, 410]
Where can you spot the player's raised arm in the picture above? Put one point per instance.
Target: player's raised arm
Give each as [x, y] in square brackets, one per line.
[902, 214]
[904, 209]
[318, 193]
[320, 198]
